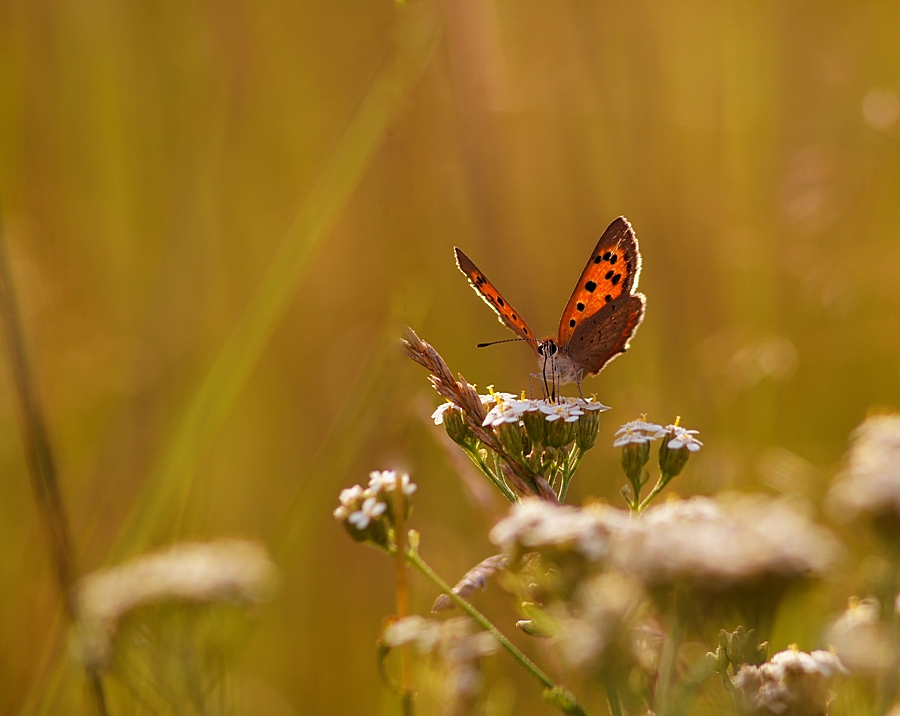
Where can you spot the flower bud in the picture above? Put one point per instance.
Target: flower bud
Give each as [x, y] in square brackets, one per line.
[634, 457]
[672, 460]
[536, 426]
[588, 429]
[510, 436]
[560, 433]
[457, 428]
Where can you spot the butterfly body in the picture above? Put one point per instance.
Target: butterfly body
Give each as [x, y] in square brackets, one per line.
[600, 318]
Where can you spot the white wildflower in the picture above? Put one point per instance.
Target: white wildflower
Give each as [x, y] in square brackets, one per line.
[454, 643]
[603, 605]
[534, 524]
[861, 640]
[793, 682]
[371, 510]
[870, 483]
[233, 571]
[566, 411]
[351, 496]
[438, 415]
[682, 438]
[637, 432]
[715, 545]
[381, 482]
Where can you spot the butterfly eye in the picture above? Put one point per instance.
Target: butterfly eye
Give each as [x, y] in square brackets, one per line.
[547, 348]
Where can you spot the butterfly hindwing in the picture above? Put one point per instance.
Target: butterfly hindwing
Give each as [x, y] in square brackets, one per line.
[612, 271]
[605, 334]
[508, 316]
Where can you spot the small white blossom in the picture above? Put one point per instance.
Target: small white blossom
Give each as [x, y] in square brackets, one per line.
[351, 495]
[637, 432]
[566, 411]
[384, 481]
[371, 509]
[438, 415]
[496, 397]
[590, 404]
[508, 411]
[683, 438]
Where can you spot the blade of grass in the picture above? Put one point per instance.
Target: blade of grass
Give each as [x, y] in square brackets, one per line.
[169, 483]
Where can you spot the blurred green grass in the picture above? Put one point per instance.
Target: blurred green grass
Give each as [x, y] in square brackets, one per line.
[215, 240]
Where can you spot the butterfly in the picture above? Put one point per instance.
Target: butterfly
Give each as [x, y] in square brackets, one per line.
[597, 323]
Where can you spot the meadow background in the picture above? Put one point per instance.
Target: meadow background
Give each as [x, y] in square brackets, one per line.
[221, 215]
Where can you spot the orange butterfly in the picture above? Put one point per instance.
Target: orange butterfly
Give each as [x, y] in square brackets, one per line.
[599, 320]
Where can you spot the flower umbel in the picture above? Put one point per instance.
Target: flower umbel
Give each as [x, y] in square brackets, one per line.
[368, 514]
[793, 682]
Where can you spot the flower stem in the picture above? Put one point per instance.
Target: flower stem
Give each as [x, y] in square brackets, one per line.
[657, 488]
[39, 458]
[573, 462]
[498, 481]
[613, 701]
[416, 561]
[408, 691]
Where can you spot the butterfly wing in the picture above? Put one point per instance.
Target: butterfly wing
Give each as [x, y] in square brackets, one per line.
[602, 336]
[611, 272]
[508, 316]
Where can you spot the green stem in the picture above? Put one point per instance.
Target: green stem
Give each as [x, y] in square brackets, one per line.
[416, 561]
[657, 488]
[663, 699]
[613, 700]
[573, 462]
[501, 485]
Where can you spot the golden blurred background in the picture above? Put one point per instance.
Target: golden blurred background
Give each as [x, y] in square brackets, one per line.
[220, 216]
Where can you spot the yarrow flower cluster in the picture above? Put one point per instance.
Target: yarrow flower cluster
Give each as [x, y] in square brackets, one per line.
[507, 408]
[870, 482]
[458, 648]
[792, 682]
[367, 514]
[541, 441]
[635, 437]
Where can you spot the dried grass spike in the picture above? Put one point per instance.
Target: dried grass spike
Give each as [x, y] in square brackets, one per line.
[475, 578]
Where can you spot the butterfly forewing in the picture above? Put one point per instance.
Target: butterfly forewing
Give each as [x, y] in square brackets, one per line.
[612, 271]
[508, 316]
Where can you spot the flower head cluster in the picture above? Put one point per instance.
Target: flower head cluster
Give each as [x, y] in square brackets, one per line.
[367, 514]
[233, 571]
[870, 483]
[862, 641]
[536, 437]
[635, 437]
[792, 682]
[710, 546]
[539, 526]
[456, 645]
[594, 635]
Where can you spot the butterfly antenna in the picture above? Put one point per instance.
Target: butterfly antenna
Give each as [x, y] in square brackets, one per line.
[508, 340]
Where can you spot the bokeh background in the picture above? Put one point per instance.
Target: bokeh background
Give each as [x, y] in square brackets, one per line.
[221, 215]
